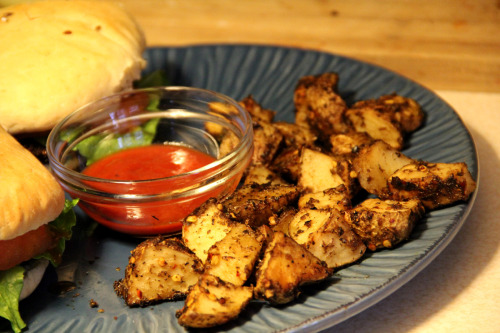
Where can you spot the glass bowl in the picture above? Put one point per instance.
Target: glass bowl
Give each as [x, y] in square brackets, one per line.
[199, 119]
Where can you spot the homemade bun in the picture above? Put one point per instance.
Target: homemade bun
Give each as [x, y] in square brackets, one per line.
[30, 195]
[57, 56]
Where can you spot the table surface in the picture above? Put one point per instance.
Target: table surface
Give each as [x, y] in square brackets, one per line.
[450, 46]
[444, 45]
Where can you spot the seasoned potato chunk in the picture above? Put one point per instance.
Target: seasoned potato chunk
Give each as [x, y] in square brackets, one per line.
[337, 198]
[349, 144]
[326, 235]
[406, 111]
[219, 109]
[319, 171]
[376, 124]
[255, 203]
[281, 222]
[260, 174]
[387, 118]
[300, 101]
[295, 135]
[435, 184]
[232, 258]
[383, 224]
[228, 143]
[319, 105]
[267, 233]
[287, 164]
[206, 226]
[285, 267]
[375, 164]
[267, 139]
[212, 302]
[158, 269]
[256, 110]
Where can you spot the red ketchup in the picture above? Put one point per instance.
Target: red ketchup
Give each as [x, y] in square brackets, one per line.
[147, 163]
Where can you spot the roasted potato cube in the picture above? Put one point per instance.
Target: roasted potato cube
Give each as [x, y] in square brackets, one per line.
[285, 267]
[255, 203]
[260, 174]
[295, 135]
[287, 164]
[337, 198]
[256, 110]
[319, 171]
[327, 236]
[435, 184]
[307, 221]
[267, 233]
[232, 258]
[323, 107]
[219, 109]
[406, 111]
[300, 100]
[349, 144]
[228, 143]
[158, 269]
[378, 125]
[387, 118]
[222, 108]
[206, 226]
[281, 222]
[384, 223]
[375, 164]
[212, 302]
[267, 140]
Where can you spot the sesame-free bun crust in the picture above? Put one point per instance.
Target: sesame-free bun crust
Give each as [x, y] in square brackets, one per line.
[57, 56]
[29, 194]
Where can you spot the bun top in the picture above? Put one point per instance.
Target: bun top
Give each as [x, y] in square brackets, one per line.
[30, 195]
[60, 55]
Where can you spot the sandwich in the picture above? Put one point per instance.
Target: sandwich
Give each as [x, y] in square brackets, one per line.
[60, 55]
[56, 57]
[35, 222]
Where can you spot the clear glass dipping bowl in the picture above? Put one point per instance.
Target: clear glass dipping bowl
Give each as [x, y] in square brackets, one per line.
[200, 119]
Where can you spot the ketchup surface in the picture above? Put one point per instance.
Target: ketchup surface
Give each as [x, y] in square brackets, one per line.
[147, 163]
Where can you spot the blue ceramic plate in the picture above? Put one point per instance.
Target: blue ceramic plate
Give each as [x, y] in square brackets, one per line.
[270, 75]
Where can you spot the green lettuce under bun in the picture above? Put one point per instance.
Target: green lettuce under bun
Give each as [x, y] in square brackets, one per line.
[100, 145]
[156, 78]
[12, 280]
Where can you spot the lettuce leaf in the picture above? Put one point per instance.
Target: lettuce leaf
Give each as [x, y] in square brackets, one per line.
[11, 284]
[61, 226]
[157, 78]
[98, 146]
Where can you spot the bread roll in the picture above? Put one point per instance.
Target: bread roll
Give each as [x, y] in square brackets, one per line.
[30, 195]
[57, 56]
